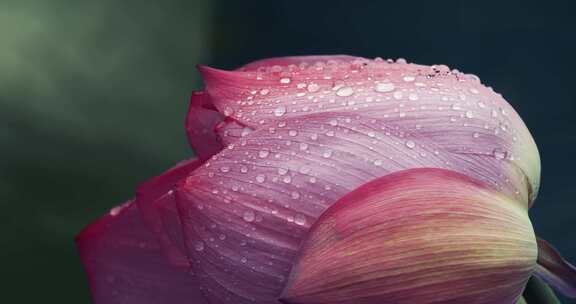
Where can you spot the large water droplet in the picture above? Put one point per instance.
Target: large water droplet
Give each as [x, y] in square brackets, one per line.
[499, 153]
[300, 219]
[279, 111]
[345, 91]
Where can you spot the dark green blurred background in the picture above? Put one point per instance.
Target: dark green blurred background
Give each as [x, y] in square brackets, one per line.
[93, 96]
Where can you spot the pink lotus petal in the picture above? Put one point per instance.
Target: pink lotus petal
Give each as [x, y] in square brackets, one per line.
[126, 265]
[249, 207]
[554, 270]
[156, 201]
[417, 236]
[452, 109]
[200, 126]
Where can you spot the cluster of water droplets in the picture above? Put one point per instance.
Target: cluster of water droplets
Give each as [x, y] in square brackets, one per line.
[275, 172]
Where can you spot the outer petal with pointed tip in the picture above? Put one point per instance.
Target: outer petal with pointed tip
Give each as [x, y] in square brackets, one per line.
[201, 123]
[417, 236]
[554, 270]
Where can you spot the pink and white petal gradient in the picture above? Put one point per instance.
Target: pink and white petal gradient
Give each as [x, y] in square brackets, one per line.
[417, 236]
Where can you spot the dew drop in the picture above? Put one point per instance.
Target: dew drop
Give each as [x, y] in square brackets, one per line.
[378, 162]
[282, 171]
[260, 178]
[499, 154]
[469, 114]
[345, 91]
[413, 96]
[410, 144]
[228, 111]
[295, 195]
[397, 95]
[313, 87]
[224, 169]
[409, 78]
[384, 87]
[264, 92]
[263, 153]
[279, 111]
[285, 80]
[199, 246]
[249, 216]
[327, 154]
[299, 219]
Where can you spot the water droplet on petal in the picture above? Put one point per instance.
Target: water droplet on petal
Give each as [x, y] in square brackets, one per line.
[249, 216]
[264, 92]
[260, 178]
[285, 80]
[313, 87]
[300, 219]
[263, 153]
[224, 169]
[397, 95]
[345, 91]
[279, 111]
[499, 154]
[199, 246]
[409, 78]
[295, 195]
[384, 87]
[292, 132]
[410, 144]
[228, 111]
[327, 154]
[413, 96]
[469, 114]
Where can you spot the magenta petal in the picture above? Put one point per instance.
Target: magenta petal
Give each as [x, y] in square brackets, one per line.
[126, 265]
[200, 126]
[554, 270]
[156, 200]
